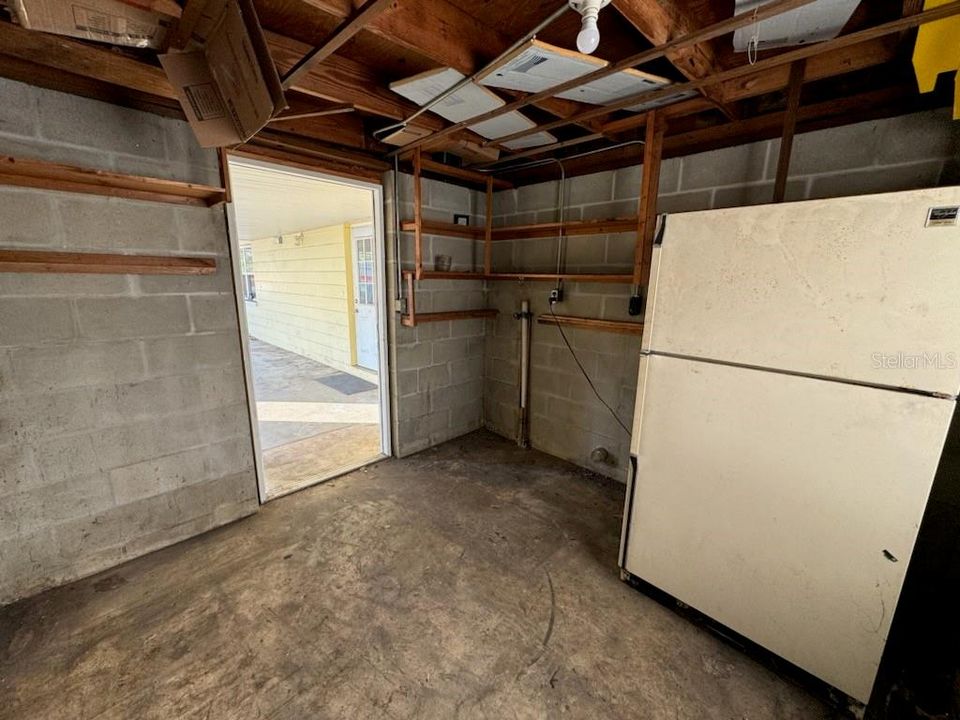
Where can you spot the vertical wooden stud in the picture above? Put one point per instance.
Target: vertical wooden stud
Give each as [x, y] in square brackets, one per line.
[224, 174]
[488, 234]
[789, 126]
[647, 212]
[417, 215]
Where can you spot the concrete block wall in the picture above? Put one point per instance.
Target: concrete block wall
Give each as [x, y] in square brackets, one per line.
[907, 152]
[123, 415]
[436, 369]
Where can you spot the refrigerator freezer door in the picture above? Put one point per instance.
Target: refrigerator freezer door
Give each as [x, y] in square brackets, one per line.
[859, 288]
[784, 507]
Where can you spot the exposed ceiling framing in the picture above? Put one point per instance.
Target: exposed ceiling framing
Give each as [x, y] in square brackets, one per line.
[337, 59]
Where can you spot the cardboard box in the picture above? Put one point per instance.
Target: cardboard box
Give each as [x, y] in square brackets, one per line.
[111, 21]
[229, 88]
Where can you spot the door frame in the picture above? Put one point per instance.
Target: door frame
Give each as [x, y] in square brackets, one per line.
[383, 371]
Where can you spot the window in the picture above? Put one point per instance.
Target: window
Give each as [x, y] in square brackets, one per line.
[246, 273]
[365, 277]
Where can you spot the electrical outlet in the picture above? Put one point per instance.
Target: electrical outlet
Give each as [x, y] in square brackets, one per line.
[556, 296]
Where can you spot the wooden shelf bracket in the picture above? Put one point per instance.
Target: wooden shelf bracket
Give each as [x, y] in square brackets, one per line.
[412, 319]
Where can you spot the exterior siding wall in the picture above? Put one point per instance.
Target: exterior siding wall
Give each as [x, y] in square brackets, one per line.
[304, 300]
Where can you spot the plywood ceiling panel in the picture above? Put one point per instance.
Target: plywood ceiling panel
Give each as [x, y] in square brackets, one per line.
[469, 101]
[538, 66]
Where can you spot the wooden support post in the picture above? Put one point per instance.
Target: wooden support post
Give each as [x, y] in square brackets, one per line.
[789, 126]
[488, 233]
[224, 163]
[417, 215]
[647, 213]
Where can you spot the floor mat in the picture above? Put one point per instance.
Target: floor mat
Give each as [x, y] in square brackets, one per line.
[346, 383]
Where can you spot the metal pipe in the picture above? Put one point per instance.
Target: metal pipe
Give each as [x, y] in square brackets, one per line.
[536, 163]
[561, 191]
[396, 229]
[377, 134]
[523, 431]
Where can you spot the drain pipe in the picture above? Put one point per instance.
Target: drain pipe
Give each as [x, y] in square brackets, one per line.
[523, 429]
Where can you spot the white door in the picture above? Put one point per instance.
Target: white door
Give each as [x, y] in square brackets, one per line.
[364, 296]
[858, 288]
[784, 507]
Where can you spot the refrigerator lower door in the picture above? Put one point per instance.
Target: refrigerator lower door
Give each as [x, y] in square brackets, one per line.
[784, 507]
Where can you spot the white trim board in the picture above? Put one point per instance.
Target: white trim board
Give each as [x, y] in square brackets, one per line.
[469, 101]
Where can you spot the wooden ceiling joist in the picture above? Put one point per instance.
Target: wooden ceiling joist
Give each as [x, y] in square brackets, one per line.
[336, 109]
[708, 33]
[661, 20]
[346, 30]
[819, 67]
[438, 29]
[784, 59]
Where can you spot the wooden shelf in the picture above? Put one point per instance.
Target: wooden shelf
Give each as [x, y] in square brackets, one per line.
[435, 227]
[572, 277]
[450, 275]
[419, 318]
[463, 174]
[617, 326]
[68, 178]
[570, 227]
[34, 261]
[525, 232]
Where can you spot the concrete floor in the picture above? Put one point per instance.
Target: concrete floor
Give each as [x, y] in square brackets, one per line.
[474, 580]
[308, 430]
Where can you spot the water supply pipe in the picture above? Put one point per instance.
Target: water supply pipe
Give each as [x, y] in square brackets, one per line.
[523, 428]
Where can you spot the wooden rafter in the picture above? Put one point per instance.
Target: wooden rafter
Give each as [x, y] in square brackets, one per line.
[343, 80]
[716, 30]
[346, 30]
[869, 53]
[784, 59]
[439, 30]
[661, 20]
[336, 109]
[828, 64]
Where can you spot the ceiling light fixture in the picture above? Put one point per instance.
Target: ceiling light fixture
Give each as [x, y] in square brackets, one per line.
[589, 37]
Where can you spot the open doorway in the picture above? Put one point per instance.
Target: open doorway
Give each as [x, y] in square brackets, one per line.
[309, 252]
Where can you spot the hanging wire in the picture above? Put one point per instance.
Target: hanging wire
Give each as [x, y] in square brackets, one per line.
[753, 45]
[587, 376]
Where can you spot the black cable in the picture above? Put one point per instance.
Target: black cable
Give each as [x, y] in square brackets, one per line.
[587, 377]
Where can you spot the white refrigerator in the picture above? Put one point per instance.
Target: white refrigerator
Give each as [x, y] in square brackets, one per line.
[799, 372]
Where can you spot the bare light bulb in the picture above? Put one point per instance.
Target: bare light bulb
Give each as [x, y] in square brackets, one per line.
[589, 37]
